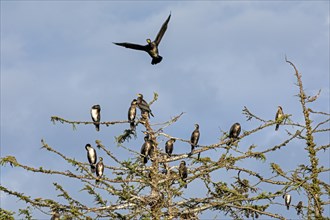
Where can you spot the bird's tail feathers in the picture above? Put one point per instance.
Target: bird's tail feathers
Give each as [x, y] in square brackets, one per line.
[97, 127]
[132, 124]
[277, 127]
[156, 60]
[93, 168]
[145, 159]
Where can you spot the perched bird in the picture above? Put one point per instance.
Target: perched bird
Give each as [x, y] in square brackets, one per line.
[146, 149]
[194, 139]
[299, 207]
[169, 146]
[183, 172]
[143, 105]
[96, 116]
[99, 169]
[132, 114]
[234, 132]
[279, 117]
[91, 156]
[152, 47]
[287, 200]
[56, 216]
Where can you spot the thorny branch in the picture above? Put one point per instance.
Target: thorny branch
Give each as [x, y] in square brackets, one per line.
[147, 191]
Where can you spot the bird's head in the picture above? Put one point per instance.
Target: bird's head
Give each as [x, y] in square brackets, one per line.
[148, 41]
[101, 159]
[183, 163]
[196, 126]
[96, 107]
[146, 138]
[140, 95]
[88, 146]
[134, 102]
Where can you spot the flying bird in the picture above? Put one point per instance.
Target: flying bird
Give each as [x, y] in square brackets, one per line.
[132, 114]
[287, 200]
[99, 170]
[183, 172]
[143, 105]
[96, 116]
[234, 132]
[279, 117]
[146, 149]
[91, 156]
[169, 146]
[194, 139]
[152, 47]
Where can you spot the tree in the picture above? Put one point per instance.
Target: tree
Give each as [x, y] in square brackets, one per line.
[157, 189]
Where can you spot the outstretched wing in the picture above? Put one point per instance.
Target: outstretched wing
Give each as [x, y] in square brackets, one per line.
[162, 31]
[132, 46]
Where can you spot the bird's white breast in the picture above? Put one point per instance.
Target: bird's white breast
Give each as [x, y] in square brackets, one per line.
[287, 198]
[94, 113]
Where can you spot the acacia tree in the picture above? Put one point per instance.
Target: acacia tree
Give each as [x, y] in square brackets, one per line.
[156, 190]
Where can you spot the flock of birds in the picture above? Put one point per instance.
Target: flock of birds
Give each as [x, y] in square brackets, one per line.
[147, 148]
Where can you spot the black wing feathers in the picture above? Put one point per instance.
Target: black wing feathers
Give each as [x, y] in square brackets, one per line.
[133, 46]
[162, 31]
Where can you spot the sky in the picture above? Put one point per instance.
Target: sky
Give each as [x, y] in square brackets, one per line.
[57, 58]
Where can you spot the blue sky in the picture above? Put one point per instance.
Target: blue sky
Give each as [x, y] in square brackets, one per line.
[57, 58]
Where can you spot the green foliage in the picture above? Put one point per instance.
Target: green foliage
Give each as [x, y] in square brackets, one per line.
[25, 212]
[9, 159]
[6, 215]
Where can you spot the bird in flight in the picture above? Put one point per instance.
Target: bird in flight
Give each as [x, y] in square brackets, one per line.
[152, 47]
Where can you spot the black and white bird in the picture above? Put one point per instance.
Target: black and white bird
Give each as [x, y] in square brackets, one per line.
[278, 117]
[146, 149]
[143, 105]
[287, 200]
[194, 139]
[183, 172]
[132, 114]
[152, 47]
[99, 169]
[169, 145]
[91, 156]
[234, 132]
[96, 116]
